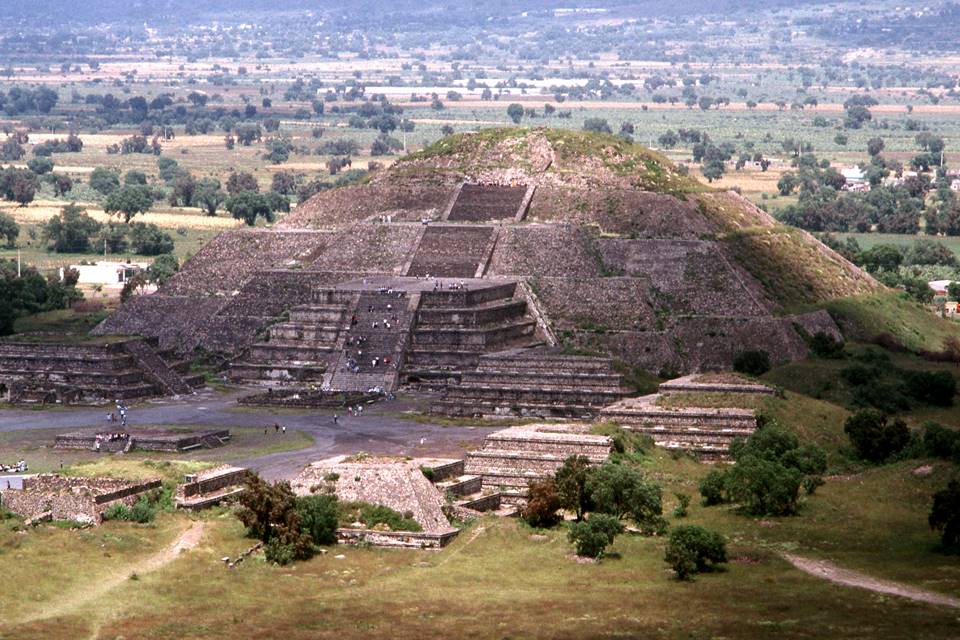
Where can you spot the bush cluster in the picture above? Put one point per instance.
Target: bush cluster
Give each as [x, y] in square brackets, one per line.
[771, 468]
[693, 549]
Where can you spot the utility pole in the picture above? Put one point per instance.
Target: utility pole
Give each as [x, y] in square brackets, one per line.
[18, 261]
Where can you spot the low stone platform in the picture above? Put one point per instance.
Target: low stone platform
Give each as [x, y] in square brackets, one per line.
[395, 483]
[123, 440]
[714, 383]
[59, 497]
[511, 458]
[210, 487]
[705, 431]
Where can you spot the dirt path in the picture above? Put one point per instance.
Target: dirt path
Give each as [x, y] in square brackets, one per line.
[829, 571]
[188, 539]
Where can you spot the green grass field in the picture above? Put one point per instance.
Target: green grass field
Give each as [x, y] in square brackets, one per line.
[873, 521]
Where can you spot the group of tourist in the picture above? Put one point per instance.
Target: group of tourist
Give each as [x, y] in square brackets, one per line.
[451, 286]
[109, 437]
[120, 415]
[277, 428]
[20, 467]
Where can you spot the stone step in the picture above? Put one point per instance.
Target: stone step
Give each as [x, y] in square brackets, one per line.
[479, 501]
[462, 485]
[474, 408]
[504, 394]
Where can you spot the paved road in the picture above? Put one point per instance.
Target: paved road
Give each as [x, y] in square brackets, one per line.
[379, 430]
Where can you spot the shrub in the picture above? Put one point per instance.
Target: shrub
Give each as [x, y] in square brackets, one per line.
[713, 488]
[279, 553]
[592, 537]
[318, 517]
[752, 362]
[764, 487]
[824, 345]
[142, 511]
[118, 511]
[683, 505]
[932, 387]
[372, 515]
[939, 441]
[859, 374]
[945, 515]
[542, 505]
[874, 437]
[693, 549]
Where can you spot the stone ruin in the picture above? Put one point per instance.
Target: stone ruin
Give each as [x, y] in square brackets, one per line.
[90, 372]
[56, 497]
[210, 487]
[707, 432]
[511, 458]
[126, 440]
[397, 484]
[559, 251]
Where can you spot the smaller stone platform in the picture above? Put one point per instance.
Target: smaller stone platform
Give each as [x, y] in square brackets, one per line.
[210, 487]
[714, 383]
[124, 440]
[511, 458]
[391, 482]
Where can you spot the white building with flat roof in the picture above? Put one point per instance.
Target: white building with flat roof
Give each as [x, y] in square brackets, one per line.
[106, 273]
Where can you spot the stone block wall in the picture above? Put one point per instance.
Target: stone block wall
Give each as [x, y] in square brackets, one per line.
[67, 498]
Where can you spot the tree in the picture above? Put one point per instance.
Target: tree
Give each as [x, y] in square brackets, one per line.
[591, 537]
[693, 549]
[571, 479]
[875, 146]
[135, 177]
[515, 111]
[104, 180]
[168, 169]
[597, 125]
[882, 257]
[11, 150]
[113, 237]
[248, 206]
[149, 239]
[945, 515]
[9, 230]
[128, 201]
[874, 436]
[24, 187]
[208, 195]
[269, 512]
[70, 231]
[241, 181]
[184, 190]
[163, 268]
[40, 166]
[620, 490]
[712, 170]
[284, 182]
[713, 488]
[543, 503]
[771, 467]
